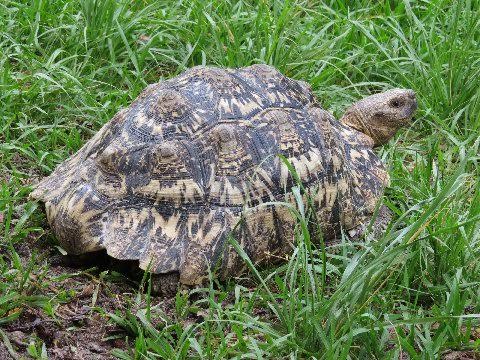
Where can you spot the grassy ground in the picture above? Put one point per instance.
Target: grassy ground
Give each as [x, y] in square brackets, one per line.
[67, 66]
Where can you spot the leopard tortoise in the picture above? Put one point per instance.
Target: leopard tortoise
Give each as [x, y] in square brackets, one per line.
[168, 178]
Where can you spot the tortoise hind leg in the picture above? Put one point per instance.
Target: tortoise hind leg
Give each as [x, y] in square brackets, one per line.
[165, 285]
[378, 228]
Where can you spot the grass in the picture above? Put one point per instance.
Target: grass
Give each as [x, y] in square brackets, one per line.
[66, 67]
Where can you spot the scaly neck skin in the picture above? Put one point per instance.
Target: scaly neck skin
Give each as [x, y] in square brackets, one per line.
[355, 120]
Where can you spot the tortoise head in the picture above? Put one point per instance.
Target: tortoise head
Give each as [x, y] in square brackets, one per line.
[380, 116]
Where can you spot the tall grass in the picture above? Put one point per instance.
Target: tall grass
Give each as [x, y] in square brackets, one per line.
[66, 67]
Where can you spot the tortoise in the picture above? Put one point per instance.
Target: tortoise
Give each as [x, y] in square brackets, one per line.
[194, 159]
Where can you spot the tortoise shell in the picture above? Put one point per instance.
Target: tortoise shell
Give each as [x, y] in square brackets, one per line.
[196, 158]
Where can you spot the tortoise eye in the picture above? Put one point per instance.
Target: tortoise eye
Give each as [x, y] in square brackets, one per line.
[395, 103]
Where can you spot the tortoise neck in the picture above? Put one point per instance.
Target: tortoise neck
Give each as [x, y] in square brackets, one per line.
[354, 120]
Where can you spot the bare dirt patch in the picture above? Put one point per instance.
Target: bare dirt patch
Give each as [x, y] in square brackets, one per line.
[77, 329]
[77, 326]
[461, 355]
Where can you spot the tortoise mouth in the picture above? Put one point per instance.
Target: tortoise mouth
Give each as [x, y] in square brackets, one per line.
[408, 114]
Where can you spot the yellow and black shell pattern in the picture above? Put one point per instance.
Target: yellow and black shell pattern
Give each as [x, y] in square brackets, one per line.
[168, 179]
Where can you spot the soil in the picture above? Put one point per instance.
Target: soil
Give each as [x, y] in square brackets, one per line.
[4, 353]
[461, 355]
[79, 327]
